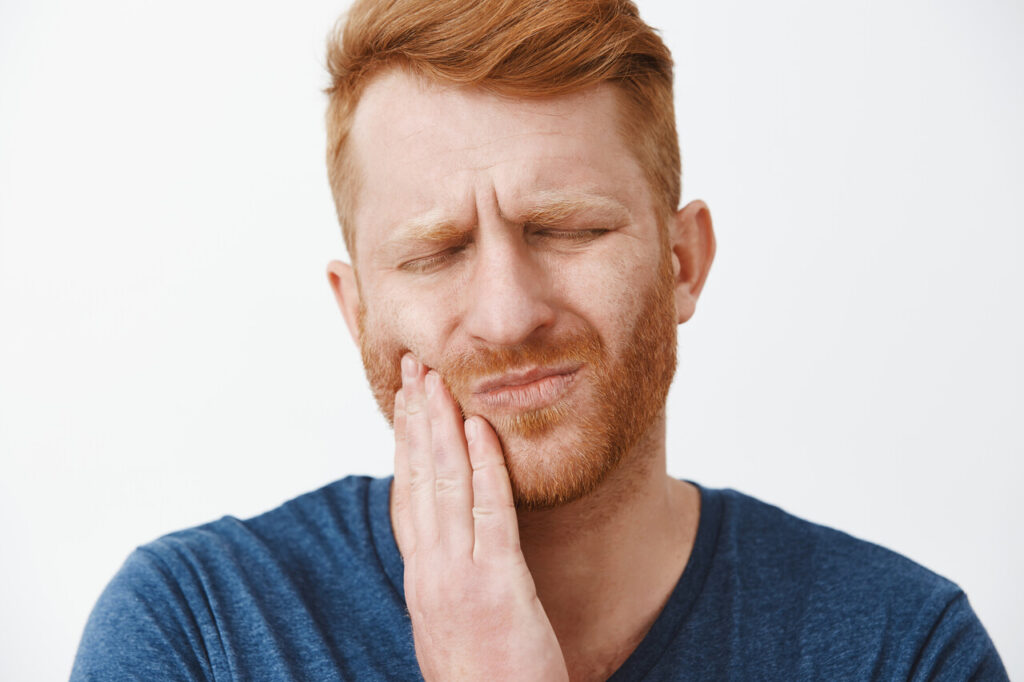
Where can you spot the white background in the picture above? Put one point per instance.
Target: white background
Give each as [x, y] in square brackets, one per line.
[170, 351]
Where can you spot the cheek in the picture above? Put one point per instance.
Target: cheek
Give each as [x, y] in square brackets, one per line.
[607, 291]
[398, 322]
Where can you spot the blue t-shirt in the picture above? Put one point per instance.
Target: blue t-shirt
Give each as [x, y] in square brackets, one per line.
[313, 591]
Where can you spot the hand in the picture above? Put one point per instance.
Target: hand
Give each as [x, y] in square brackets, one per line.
[473, 604]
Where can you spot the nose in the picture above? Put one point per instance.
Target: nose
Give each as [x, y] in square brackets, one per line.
[509, 294]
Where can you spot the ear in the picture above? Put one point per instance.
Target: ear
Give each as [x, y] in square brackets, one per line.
[345, 286]
[692, 241]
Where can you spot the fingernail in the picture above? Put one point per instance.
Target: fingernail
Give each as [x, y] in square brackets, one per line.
[408, 367]
[431, 383]
[471, 428]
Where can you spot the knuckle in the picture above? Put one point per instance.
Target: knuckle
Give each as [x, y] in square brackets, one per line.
[482, 513]
[488, 464]
[446, 485]
[419, 478]
[493, 514]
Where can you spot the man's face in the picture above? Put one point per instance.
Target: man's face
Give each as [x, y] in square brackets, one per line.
[512, 245]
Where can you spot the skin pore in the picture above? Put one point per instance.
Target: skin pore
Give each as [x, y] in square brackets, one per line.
[513, 246]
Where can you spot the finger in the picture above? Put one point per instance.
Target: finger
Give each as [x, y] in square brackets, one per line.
[452, 474]
[495, 525]
[418, 455]
[400, 489]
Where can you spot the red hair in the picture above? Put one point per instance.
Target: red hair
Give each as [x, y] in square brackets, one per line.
[518, 48]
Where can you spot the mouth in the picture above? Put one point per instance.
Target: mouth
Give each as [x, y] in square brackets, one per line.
[526, 390]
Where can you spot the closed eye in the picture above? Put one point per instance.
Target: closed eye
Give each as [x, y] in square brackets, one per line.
[433, 261]
[571, 235]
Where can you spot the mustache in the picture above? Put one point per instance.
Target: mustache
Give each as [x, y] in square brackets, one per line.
[462, 370]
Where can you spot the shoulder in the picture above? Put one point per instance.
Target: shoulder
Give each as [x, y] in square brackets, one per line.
[339, 511]
[202, 597]
[778, 546]
[333, 534]
[843, 599]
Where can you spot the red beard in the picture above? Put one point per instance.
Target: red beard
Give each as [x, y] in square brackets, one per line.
[624, 396]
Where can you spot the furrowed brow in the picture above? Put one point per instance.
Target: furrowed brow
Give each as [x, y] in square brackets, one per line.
[548, 208]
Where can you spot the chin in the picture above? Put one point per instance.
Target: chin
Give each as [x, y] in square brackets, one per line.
[561, 465]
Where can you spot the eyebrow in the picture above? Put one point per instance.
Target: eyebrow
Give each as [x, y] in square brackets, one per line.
[557, 208]
[551, 208]
[431, 226]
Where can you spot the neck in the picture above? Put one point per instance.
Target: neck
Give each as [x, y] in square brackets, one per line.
[605, 565]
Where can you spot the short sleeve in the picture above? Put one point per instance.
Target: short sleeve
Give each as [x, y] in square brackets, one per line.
[142, 628]
[959, 648]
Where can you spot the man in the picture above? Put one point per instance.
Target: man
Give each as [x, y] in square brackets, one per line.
[507, 180]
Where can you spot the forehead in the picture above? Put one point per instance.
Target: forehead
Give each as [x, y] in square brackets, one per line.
[422, 147]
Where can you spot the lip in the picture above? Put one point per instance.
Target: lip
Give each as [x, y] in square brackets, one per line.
[529, 389]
